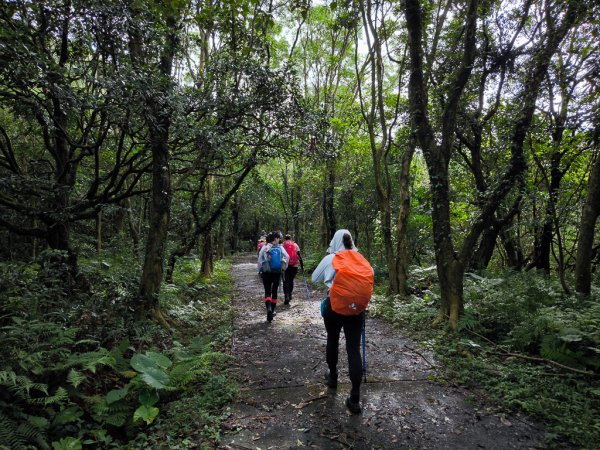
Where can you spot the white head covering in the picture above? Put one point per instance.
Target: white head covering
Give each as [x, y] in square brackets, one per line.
[337, 242]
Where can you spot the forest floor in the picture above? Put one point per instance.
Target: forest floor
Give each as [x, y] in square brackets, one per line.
[284, 403]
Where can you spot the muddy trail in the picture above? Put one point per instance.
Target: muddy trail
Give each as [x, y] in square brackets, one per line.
[285, 404]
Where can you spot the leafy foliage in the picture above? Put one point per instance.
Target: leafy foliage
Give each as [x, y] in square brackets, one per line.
[519, 313]
[67, 381]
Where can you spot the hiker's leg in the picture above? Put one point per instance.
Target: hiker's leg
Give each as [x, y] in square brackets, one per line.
[267, 283]
[352, 330]
[333, 325]
[290, 277]
[274, 286]
[286, 281]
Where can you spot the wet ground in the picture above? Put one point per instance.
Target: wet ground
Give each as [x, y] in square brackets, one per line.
[286, 405]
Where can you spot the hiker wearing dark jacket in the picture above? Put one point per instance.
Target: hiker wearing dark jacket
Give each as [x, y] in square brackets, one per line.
[293, 250]
[334, 322]
[272, 274]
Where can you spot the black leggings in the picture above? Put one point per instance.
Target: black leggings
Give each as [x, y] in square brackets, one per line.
[288, 280]
[271, 284]
[352, 326]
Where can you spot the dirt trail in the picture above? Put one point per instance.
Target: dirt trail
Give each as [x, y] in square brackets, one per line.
[285, 404]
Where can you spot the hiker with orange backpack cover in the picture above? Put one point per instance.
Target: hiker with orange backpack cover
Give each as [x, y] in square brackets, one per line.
[349, 277]
[293, 250]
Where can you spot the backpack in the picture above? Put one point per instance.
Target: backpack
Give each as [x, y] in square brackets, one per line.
[274, 258]
[290, 248]
[352, 285]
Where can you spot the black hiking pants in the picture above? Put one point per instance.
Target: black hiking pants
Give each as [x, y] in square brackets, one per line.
[288, 281]
[271, 284]
[352, 326]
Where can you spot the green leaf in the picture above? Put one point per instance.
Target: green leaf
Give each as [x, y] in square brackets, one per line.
[160, 359]
[67, 415]
[68, 443]
[117, 394]
[141, 362]
[155, 378]
[145, 413]
[150, 360]
[148, 398]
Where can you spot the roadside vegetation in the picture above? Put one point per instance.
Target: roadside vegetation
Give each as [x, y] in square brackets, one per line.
[523, 344]
[80, 369]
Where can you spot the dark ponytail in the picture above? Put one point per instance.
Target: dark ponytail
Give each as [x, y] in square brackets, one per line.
[347, 239]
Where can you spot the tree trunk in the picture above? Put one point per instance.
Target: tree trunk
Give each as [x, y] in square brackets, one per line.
[158, 123]
[542, 257]
[207, 255]
[589, 216]
[329, 206]
[160, 212]
[485, 250]
[235, 223]
[402, 223]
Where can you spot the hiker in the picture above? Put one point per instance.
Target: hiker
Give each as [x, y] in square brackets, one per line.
[293, 250]
[349, 277]
[261, 243]
[273, 259]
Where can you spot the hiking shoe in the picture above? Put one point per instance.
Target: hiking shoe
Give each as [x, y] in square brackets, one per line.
[353, 407]
[331, 380]
[269, 309]
[287, 299]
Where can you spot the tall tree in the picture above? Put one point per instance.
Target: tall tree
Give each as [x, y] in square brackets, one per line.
[589, 216]
[167, 20]
[451, 263]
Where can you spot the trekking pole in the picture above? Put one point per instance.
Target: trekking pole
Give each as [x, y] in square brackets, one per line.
[306, 285]
[364, 348]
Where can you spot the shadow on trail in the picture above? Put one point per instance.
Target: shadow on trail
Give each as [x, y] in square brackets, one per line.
[285, 403]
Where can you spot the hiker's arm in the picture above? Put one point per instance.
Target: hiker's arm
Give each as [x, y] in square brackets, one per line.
[324, 271]
[300, 260]
[261, 254]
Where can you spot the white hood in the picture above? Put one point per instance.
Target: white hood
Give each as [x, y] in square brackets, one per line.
[337, 242]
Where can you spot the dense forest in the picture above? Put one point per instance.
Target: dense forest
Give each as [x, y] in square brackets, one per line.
[144, 143]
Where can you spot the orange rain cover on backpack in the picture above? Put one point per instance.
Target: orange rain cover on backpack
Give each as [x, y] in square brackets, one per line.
[352, 286]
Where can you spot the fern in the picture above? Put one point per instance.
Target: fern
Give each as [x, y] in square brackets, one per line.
[115, 414]
[20, 385]
[195, 368]
[91, 360]
[75, 378]
[20, 430]
[9, 435]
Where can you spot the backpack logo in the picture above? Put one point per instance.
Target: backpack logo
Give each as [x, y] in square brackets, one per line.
[352, 286]
[290, 248]
[274, 258]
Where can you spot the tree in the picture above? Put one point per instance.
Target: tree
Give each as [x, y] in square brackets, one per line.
[450, 263]
[62, 84]
[589, 215]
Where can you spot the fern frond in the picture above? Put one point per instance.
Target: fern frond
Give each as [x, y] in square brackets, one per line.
[75, 378]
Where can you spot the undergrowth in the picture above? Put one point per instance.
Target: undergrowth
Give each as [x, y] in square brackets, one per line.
[511, 316]
[81, 371]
